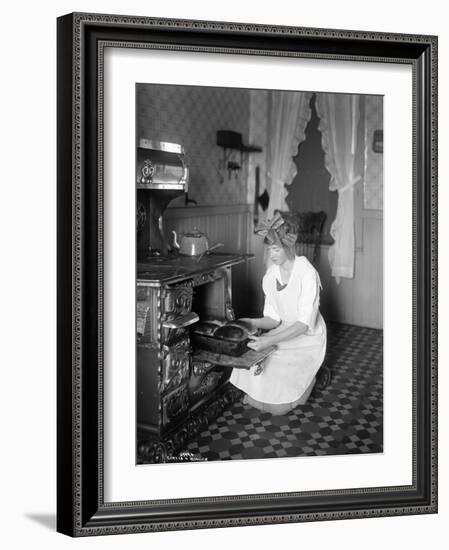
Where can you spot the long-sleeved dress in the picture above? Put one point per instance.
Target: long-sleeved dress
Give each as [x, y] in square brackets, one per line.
[289, 372]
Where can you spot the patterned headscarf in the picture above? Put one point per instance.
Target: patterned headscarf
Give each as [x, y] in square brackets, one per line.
[281, 230]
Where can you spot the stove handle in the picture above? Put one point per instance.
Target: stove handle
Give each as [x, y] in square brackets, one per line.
[182, 322]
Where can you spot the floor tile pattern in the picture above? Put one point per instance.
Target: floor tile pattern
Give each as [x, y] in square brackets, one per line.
[344, 418]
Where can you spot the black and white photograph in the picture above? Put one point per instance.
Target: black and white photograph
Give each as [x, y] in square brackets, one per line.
[259, 273]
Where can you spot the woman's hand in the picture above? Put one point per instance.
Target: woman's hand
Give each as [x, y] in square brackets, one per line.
[259, 343]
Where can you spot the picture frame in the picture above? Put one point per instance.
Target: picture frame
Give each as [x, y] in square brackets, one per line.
[81, 507]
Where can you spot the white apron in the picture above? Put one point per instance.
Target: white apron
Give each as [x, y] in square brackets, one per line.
[289, 371]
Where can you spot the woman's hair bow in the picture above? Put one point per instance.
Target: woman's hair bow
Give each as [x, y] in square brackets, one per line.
[278, 231]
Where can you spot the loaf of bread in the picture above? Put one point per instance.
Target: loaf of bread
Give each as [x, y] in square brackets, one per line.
[230, 332]
[246, 326]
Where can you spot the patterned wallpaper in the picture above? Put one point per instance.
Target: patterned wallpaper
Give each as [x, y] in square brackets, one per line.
[258, 133]
[373, 183]
[191, 116]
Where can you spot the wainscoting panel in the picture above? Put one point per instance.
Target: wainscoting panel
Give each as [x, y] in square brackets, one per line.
[357, 301]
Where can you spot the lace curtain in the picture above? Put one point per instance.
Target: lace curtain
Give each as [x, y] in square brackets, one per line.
[339, 116]
[289, 115]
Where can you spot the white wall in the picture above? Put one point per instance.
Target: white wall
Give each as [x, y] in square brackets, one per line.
[27, 231]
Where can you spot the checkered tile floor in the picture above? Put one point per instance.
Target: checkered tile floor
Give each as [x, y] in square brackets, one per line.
[344, 418]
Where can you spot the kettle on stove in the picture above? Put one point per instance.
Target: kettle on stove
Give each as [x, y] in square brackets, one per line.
[193, 243]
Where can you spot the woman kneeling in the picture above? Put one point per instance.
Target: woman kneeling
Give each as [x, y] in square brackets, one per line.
[293, 323]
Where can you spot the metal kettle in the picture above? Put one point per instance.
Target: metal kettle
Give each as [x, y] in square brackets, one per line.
[193, 243]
